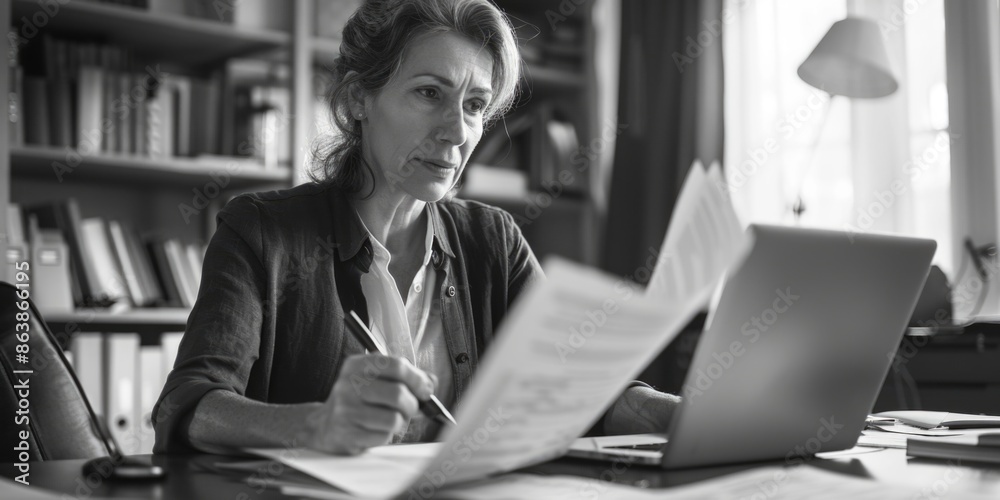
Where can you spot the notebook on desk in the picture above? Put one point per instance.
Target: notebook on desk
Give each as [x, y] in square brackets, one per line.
[794, 353]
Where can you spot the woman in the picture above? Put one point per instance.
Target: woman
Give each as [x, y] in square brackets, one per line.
[266, 359]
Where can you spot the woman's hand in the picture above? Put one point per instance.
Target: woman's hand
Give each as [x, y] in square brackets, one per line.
[373, 398]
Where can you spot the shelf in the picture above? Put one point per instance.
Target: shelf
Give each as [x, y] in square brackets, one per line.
[158, 36]
[39, 161]
[325, 50]
[147, 320]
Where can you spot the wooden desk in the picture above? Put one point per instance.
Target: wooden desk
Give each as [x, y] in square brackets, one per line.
[195, 477]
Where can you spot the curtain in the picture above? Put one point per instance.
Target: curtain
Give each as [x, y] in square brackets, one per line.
[669, 114]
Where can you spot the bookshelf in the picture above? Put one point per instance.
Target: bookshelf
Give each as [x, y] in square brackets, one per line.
[142, 189]
[150, 189]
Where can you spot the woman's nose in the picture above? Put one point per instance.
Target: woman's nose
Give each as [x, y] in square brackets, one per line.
[451, 128]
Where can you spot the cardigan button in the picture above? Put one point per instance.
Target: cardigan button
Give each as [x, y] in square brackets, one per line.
[462, 358]
[451, 291]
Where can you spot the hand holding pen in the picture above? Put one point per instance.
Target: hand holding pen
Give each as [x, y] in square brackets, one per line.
[431, 406]
[373, 398]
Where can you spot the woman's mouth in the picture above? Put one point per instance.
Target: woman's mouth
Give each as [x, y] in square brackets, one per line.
[441, 169]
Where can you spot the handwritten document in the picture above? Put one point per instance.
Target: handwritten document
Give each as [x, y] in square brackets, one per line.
[563, 354]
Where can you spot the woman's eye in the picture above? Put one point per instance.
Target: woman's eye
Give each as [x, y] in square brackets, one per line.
[429, 93]
[477, 106]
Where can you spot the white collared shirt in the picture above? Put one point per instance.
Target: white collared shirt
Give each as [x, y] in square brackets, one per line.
[413, 330]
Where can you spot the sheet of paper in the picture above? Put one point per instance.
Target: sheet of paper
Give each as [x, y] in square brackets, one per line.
[380, 472]
[704, 238]
[562, 356]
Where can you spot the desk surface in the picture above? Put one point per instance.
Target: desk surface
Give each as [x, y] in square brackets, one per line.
[196, 477]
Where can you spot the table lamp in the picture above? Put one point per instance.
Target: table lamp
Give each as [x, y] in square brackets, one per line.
[851, 61]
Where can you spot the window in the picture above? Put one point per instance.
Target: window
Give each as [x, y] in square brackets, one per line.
[859, 165]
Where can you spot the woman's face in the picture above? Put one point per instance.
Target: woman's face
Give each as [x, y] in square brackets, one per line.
[419, 130]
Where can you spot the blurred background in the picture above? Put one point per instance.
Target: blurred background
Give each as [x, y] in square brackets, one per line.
[130, 123]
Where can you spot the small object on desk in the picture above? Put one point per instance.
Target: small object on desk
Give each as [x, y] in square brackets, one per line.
[979, 450]
[128, 468]
[932, 419]
[432, 407]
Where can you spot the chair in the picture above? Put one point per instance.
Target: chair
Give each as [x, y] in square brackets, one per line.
[62, 423]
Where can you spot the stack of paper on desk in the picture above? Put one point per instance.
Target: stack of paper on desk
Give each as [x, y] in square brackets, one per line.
[563, 354]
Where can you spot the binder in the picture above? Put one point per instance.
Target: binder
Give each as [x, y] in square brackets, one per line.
[150, 384]
[121, 352]
[171, 342]
[88, 362]
[50, 268]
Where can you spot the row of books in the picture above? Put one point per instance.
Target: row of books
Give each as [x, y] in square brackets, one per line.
[93, 262]
[99, 97]
[122, 380]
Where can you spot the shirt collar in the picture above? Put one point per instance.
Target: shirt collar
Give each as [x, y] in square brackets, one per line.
[352, 236]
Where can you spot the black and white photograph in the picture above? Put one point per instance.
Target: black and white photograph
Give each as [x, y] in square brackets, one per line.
[500, 249]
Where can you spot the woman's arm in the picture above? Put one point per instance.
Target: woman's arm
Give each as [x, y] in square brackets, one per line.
[374, 397]
[224, 420]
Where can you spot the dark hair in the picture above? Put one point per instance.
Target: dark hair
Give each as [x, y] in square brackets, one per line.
[374, 41]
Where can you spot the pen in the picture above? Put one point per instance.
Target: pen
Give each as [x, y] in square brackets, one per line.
[431, 407]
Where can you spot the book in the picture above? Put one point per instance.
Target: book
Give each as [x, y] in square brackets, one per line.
[110, 285]
[126, 263]
[90, 113]
[169, 287]
[931, 419]
[145, 273]
[179, 268]
[985, 448]
[36, 111]
[15, 107]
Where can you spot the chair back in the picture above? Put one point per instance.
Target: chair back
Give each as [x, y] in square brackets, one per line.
[60, 424]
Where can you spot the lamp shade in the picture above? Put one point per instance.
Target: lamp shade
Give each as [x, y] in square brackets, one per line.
[851, 60]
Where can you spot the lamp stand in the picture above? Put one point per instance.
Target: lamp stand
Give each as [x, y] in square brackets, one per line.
[799, 207]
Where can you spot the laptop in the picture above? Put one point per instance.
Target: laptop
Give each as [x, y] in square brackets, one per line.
[794, 354]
